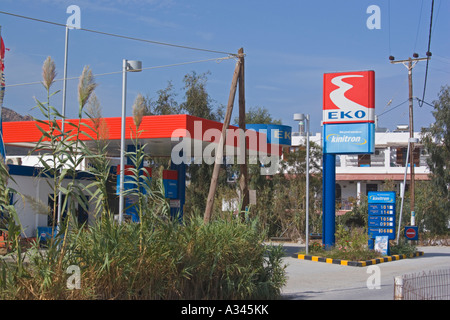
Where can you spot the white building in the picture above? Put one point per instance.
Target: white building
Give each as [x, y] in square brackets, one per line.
[34, 189]
[358, 174]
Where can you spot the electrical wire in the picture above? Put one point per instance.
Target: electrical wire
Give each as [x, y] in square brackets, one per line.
[389, 25]
[120, 36]
[437, 15]
[442, 59]
[429, 104]
[418, 26]
[428, 51]
[394, 107]
[218, 60]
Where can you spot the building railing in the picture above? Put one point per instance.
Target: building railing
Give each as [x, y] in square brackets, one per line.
[346, 205]
[379, 159]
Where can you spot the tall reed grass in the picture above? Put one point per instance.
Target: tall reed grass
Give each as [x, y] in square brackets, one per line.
[219, 260]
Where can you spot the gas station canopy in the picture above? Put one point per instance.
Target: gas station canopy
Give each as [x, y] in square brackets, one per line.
[159, 134]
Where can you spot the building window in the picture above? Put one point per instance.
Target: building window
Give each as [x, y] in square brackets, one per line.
[364, 160]
[51, 204]
[338, 161]
[371, 187]
[338, 192]
[402, 153]
[401, 157]
[82, 215]
[377, 159]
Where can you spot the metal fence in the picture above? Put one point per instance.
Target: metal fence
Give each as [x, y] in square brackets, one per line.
[425, 285]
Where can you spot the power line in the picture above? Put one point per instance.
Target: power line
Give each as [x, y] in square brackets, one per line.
[428, 54]
[424, 102]
[418, 26]
[117, 72]
[389, 25]
[437, 15]
[120, 36]
[400, 104]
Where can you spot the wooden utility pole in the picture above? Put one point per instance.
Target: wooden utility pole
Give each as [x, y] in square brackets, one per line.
[411, 134]
[243, 179]
[219, 150]
[409, 64]
[2, 95]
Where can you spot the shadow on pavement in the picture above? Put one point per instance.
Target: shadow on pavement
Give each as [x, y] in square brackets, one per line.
[434, 254]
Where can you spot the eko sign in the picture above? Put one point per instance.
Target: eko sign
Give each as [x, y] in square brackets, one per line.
[348, 112]
[348, 128]
[276, 134]
[349, 97]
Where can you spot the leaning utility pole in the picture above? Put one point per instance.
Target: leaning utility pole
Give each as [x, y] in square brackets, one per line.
[238, 73]
[409, 64]
[243, 179]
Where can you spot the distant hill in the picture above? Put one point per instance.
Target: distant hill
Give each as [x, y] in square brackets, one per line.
[9, 115]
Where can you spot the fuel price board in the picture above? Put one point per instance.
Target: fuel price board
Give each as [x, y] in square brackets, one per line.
[381, 210]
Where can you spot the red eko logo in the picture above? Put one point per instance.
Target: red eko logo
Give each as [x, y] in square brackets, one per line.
[349, 97]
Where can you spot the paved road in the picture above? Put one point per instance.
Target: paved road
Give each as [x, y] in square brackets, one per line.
[309, 280]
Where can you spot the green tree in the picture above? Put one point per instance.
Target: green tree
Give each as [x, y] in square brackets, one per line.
[199, 103]
[255, 115]
[287, 190]
[281, 198]
[197, 100]
[436, 140]
[258, 115]
[166, 103]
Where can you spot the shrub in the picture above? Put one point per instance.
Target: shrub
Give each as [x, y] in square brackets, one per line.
[351, 244]
[316, 248]
[403, 247]
[219, 260]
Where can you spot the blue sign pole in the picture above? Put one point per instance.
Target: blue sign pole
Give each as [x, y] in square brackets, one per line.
[348, 128]
[328, 201]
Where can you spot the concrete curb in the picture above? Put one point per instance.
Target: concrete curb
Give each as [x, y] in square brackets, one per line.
[357, 263]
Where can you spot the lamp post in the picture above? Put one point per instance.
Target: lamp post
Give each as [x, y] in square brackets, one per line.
[63, 113]
[301, 117]
[131, 66]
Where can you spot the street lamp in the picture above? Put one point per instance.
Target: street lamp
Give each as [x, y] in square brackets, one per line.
[302, 117]
[131, 66]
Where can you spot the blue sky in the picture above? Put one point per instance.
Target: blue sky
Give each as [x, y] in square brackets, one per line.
[289, 45]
